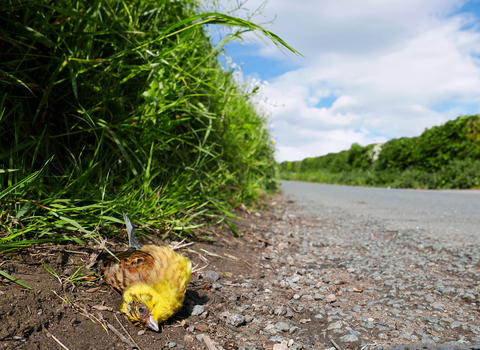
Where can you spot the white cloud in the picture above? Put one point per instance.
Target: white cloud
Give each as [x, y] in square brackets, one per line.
[388, 63]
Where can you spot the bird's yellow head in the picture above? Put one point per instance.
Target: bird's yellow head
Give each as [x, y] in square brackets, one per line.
[138, 301]
[148, 305]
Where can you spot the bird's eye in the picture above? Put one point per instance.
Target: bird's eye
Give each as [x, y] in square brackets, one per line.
[142, 310]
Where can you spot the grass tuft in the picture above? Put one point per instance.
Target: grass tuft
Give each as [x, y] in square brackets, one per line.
[112, 106]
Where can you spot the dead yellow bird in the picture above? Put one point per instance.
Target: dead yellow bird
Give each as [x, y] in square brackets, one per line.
[153, 280]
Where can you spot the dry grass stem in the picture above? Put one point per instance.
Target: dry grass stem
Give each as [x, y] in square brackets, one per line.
[125, 330]
[120, 335]
[50, 335]
[82, 311]
[334, 343]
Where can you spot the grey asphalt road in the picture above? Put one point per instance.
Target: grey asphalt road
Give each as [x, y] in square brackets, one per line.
[444, 215]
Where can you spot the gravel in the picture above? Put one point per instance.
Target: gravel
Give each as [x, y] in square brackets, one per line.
[330, 274]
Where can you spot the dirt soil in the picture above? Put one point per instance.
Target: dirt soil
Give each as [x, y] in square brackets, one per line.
[242, 300]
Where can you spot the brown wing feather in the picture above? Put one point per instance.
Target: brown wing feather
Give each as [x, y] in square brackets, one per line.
[134, 266]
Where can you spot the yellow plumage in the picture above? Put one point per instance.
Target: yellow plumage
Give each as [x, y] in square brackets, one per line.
[153, 280]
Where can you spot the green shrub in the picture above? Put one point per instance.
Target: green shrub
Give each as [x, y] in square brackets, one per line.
[446, 156]
[125, 107]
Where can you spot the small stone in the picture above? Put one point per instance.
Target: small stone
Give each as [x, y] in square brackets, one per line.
[268, 309]
[318, 296]
[437, 305]
[351, 270]
[235, 320]
[248, 318]
[282, 326]
[188, 338]
[281, 346]
[456, 324]
[357, 308]
[293, 329]
[331, 298]
[142, 332]
[233, 298]
[172, 344]
[428, 341]
[305, 320]
[349, 338]
[296, 297]
[296, 346]
[196, 310]
[200, 337]
[277, 338]
[211, 275]
[319, 316]
[216, 286]
[270, 328]
[307, 297]
[405, 335]
[335, 325]
[357, 289]
[246, 284]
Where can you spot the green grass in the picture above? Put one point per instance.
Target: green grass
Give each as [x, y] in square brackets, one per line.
[113, 106]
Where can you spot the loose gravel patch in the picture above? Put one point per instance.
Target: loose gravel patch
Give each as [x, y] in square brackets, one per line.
[333, 278]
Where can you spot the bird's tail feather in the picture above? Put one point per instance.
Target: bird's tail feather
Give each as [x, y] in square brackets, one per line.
[132, 237]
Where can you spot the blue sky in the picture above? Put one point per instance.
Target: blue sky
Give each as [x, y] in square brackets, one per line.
[372, 70]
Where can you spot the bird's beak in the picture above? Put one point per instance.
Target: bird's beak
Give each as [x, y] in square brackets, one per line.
[152, 324]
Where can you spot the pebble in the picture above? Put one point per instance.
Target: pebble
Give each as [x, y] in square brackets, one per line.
[330, 298]
[211, 275]
[216, 286]
[282, 326]
[235, 319]
[197, 310]
[335, 325]
[349, 338]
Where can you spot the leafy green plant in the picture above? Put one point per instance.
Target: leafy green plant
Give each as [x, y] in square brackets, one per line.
[81, 275]
[111, 107]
